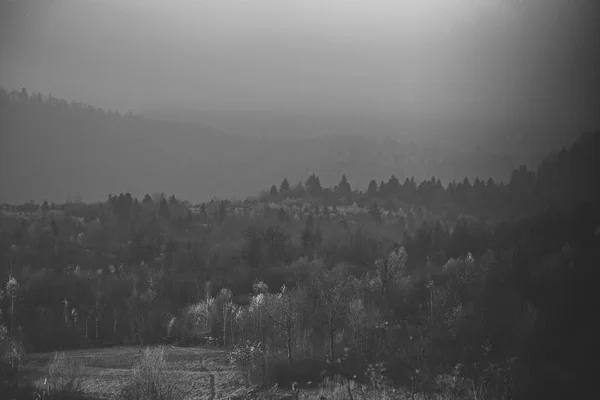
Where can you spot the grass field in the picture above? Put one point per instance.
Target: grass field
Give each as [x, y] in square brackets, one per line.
[200, 373]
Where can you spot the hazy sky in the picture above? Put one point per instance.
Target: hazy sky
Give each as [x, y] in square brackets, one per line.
[494, 59]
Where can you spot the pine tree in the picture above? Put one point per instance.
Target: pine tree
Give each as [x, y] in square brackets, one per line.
[372, 189]
[163, 209]
[344, 189]
[313, 186]
[393, 185]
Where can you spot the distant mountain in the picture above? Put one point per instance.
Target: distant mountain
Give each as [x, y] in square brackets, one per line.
[527, 141]
[50, 147]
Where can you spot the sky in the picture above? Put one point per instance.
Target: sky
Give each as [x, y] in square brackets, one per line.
[534, 60]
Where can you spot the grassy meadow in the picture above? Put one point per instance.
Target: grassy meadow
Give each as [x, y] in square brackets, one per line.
[198, 373]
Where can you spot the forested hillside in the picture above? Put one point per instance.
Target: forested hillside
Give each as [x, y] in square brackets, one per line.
[62, 147]
[474, 289]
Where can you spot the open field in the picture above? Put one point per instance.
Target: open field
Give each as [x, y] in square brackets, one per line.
[200, 373]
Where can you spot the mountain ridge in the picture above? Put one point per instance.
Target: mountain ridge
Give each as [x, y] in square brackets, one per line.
[59, 147]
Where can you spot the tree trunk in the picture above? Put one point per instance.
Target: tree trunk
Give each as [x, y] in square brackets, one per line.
[384, 282]
[66, 315]
[12, 316]
[331, 342]
[260, 324]
[331, 337]
[74, 322]
[224, 326]
[97, 323]
[265, 368]
[115, 326]
[232, 341]
[87, 329]
[289, 344]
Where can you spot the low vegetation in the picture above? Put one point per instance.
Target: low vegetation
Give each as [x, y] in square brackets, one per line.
[63, 379]
[150, 380]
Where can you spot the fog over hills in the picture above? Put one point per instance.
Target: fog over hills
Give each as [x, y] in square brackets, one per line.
[466, 88]
[523, 139]
[59, 149]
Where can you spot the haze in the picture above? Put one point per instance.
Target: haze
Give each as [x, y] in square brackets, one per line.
[494, 58]
[296, 68]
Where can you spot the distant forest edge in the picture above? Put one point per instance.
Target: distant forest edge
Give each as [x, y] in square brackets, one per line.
[561, 181]
[62, 147]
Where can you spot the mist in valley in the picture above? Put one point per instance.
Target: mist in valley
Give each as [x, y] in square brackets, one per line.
[298, 199]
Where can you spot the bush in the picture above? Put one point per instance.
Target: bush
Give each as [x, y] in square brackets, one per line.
[196, 322]
[150, 380]
[64, 378]
[249, 357]
[11, 360]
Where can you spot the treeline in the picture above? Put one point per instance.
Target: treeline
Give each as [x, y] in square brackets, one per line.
[561, 179]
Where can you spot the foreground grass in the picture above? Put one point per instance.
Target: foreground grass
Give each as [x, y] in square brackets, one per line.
[198, 373]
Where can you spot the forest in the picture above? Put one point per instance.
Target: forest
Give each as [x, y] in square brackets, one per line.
[477, 288]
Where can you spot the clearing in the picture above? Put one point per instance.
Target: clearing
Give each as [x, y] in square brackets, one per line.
[200, 373]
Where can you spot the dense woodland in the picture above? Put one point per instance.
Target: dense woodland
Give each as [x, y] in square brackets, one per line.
[477, 282]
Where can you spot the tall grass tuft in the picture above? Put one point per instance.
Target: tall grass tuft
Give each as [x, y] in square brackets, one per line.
[150, 380]
[64, 379]
[11, 363]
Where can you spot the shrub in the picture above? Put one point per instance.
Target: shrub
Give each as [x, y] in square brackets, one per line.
[64, 378]
[196, 322]
[11, 360]
[150, 380]
[249, 357]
